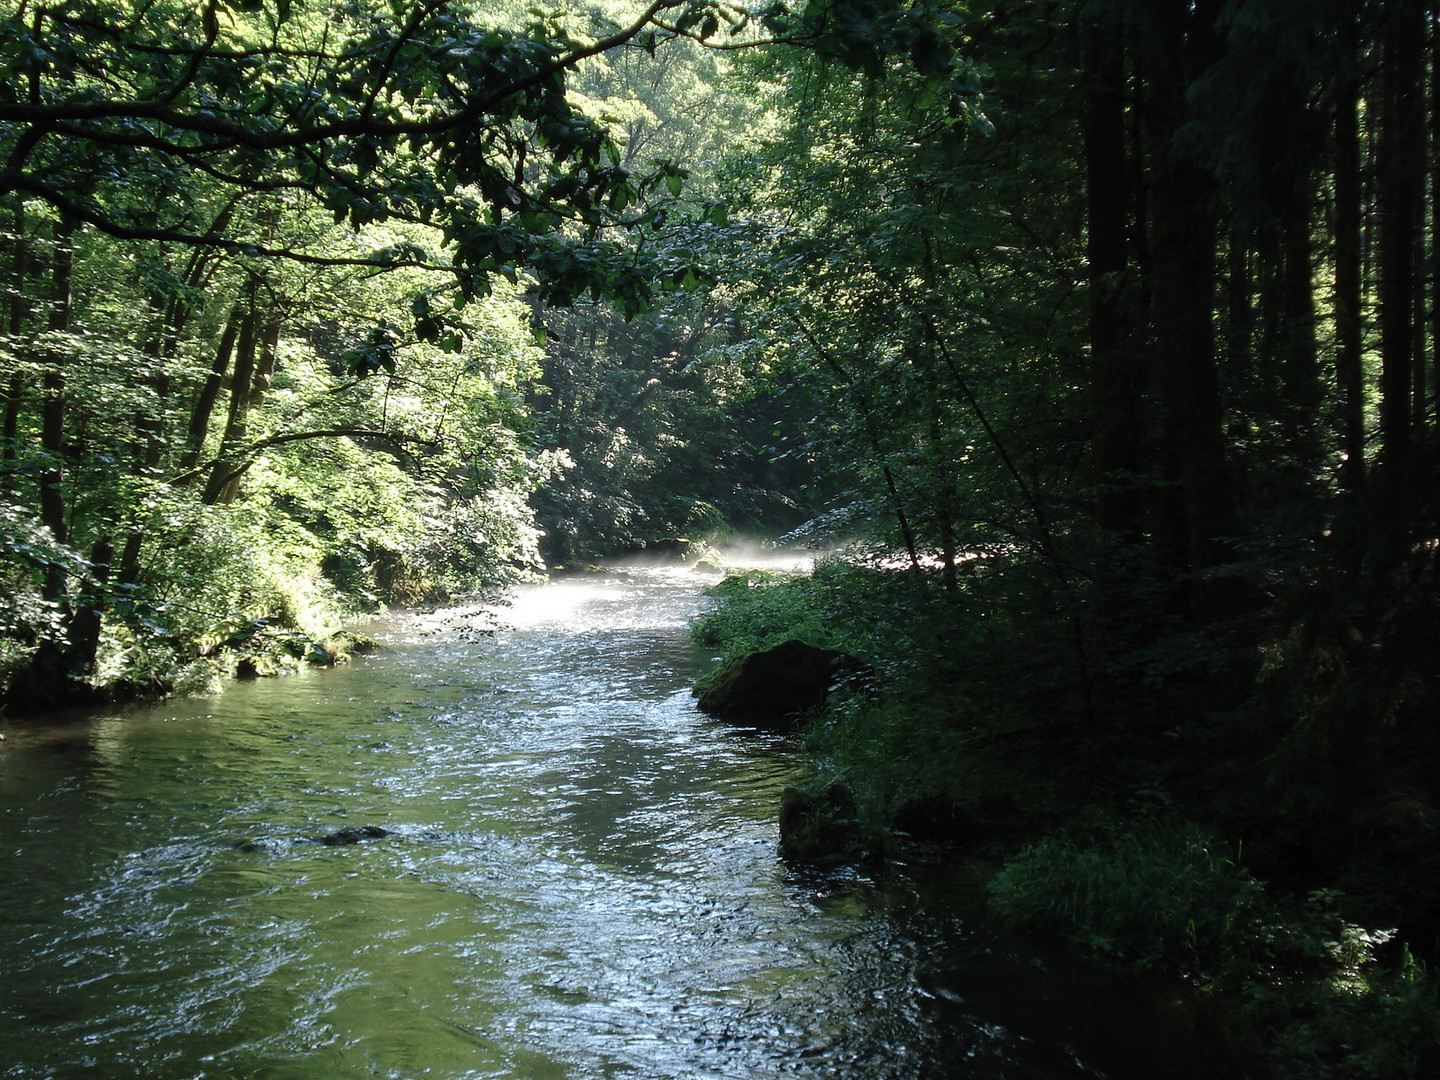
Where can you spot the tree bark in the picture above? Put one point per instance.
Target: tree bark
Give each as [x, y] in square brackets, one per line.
[1434, 210]
[17, 315]
[1182, 42]
[1398, 198]
[52, 410]
[47, 681]
[86, 622]
[1349, 276]
[1300, 357]
[209, 395]
[1116, 372]
[220, 487]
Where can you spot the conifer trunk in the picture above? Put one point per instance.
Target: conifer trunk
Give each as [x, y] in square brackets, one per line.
[1434, 212]
[1349, 276]
[1181, 43]
[1300, 358]
[1398, 198]
[1115, 375]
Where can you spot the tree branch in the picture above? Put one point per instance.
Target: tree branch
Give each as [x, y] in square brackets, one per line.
[363, 125]
[82, 212]
[247, 456]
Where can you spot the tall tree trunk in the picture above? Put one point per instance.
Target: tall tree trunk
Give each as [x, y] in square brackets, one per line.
[83, 643]
[52, 384]
[1349, 277]
[1434, 210]
[205, 401]
[269, 348]
[1116, 371]
[1182, 42]
[17, 315]
[164, 347]
[267, 333]
[1398, 198]
[1420, 321]
[221, 486]
[1239, 303]
[1300, 358]
[46, 683]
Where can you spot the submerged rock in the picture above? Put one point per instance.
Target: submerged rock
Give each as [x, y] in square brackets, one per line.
[354, 835]
[773, 687]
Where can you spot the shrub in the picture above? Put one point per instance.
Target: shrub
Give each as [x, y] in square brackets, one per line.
[1162, 897]
[758, 609]
[1159, 897]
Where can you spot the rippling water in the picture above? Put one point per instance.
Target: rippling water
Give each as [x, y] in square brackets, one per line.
[560, 870]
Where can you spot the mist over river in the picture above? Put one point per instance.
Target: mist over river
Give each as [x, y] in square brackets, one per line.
[543, 863]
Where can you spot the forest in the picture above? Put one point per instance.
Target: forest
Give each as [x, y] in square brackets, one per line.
[1099, 340]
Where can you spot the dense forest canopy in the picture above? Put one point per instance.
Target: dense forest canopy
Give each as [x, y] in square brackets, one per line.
[269, 273]
[1134, 295]
[1109, 329]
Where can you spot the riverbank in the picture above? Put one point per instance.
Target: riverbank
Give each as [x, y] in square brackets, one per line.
[558, 868]
[1165, 833]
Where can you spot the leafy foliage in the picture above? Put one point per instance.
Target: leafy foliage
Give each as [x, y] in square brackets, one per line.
[1159, 897]
[1164, 897]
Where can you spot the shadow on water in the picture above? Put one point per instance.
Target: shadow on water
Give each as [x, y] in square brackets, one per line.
[511, 854]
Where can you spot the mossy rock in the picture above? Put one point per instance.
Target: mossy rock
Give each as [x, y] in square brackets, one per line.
[777, 686]
[343, 644]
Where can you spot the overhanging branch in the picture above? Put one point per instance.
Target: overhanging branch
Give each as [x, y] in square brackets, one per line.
[240, 464]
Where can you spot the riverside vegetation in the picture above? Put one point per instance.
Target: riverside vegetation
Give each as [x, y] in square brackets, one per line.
[1146, 849]
[1108, 327]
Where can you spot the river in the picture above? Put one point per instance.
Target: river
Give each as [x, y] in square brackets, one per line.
[559, 870]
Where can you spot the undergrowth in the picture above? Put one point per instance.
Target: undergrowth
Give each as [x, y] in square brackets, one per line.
[887, 751]
[758, 609]
[982, 698]
[1165, 898]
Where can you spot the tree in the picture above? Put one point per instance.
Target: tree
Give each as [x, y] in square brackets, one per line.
[216, 172]
[197, 152]
[422, 116]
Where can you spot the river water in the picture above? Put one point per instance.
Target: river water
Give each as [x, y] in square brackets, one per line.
[559, 870]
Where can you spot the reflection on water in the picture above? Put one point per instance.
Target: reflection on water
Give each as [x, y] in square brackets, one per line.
[567, 872]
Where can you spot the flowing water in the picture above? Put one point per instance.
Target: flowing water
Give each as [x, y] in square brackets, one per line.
[542, 863]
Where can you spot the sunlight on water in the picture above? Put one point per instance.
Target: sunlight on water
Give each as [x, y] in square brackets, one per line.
[603, 601]
[509, 847]
[557, 604]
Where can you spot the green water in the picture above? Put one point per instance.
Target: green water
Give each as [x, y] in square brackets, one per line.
[578, 878]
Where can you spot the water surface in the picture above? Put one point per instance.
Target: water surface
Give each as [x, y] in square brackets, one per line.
[560, 870]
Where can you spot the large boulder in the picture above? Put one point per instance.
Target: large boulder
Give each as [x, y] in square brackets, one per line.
[776, 686]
